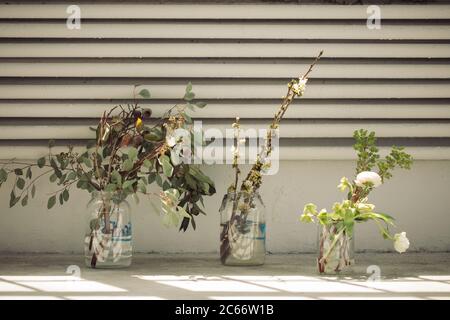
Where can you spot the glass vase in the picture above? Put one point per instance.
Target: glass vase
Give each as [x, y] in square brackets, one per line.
[107, 242]
[336, 249]
[243, 230]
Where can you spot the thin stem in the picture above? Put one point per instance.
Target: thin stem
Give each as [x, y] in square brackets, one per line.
[33, 181]
[336, 238]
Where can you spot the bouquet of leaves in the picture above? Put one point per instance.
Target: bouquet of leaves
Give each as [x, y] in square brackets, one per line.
[131, 151]
[356, 208]
[244, 195]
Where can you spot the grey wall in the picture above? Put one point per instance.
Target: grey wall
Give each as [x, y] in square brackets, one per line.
[418, 199]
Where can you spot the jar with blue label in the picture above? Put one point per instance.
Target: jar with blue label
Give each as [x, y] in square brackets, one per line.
[107, 241]
[243, 230]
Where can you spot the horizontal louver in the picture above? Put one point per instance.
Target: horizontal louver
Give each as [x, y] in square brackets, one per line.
[55, 82]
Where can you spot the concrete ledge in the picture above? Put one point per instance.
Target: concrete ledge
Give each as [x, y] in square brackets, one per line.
[201, 276]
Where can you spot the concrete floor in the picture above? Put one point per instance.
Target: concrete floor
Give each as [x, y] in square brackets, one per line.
[201, 276]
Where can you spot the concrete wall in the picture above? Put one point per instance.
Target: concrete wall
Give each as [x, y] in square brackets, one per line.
[419, 200]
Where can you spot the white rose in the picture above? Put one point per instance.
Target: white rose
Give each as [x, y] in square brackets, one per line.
[401, 242]
[368, 176]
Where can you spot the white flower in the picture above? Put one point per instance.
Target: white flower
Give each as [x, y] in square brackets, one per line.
[300, 86]
[302, 81]
[242, 141]
[368, 177]
[171, 140]
[401, 242]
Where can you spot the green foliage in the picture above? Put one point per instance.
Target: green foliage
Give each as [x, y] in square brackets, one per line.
[368, 155]
[167, 166]
[41, 162]
[355, 208]
[144, 93]
[125, 157]
[365, 145]
[397, 158]
[51, 202]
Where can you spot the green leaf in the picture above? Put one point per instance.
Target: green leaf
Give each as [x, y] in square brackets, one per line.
[144, 93]
[127, 165]
[18, 172]
[71, 176]
[51, 202]
[33, 191]
[142, 188]
[24, 201]
[155, 134]
[3, 175]
[191, 182]
[29, 174]
[189, 87]
[187, 118]
[41, 162]
[51, 143]
[13, 199]
[189, 96]
[20, 183]
[87, 162]
[116, 178]
[61, 199]
[167, 166]
[159, 180]
[53, 177]
[200, 104]
[147, 164]
[151, 177]
[65, 195]
[111, 187]
[191, 106]
[132, 153]
[128, 184]
[175, 158]
[55, 167]
[199, 175]
[166, 186]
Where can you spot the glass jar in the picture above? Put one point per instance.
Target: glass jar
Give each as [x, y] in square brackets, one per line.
[243, 230]
[107, 242]
[336, 249]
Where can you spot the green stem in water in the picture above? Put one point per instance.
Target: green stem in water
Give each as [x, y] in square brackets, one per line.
[335, 240]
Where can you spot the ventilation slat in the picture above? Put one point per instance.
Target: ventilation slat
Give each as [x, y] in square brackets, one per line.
[273, 69]
[227, 90]
[68, 49]
[220, 12]
[233, 30]
[302, 109]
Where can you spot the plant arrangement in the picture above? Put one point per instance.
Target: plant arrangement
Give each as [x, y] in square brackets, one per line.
[242, 222]
[131, 151]
[338, 224]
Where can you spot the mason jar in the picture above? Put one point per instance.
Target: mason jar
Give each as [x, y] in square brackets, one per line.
[335, 249]
[108, 236]
[243, 230]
